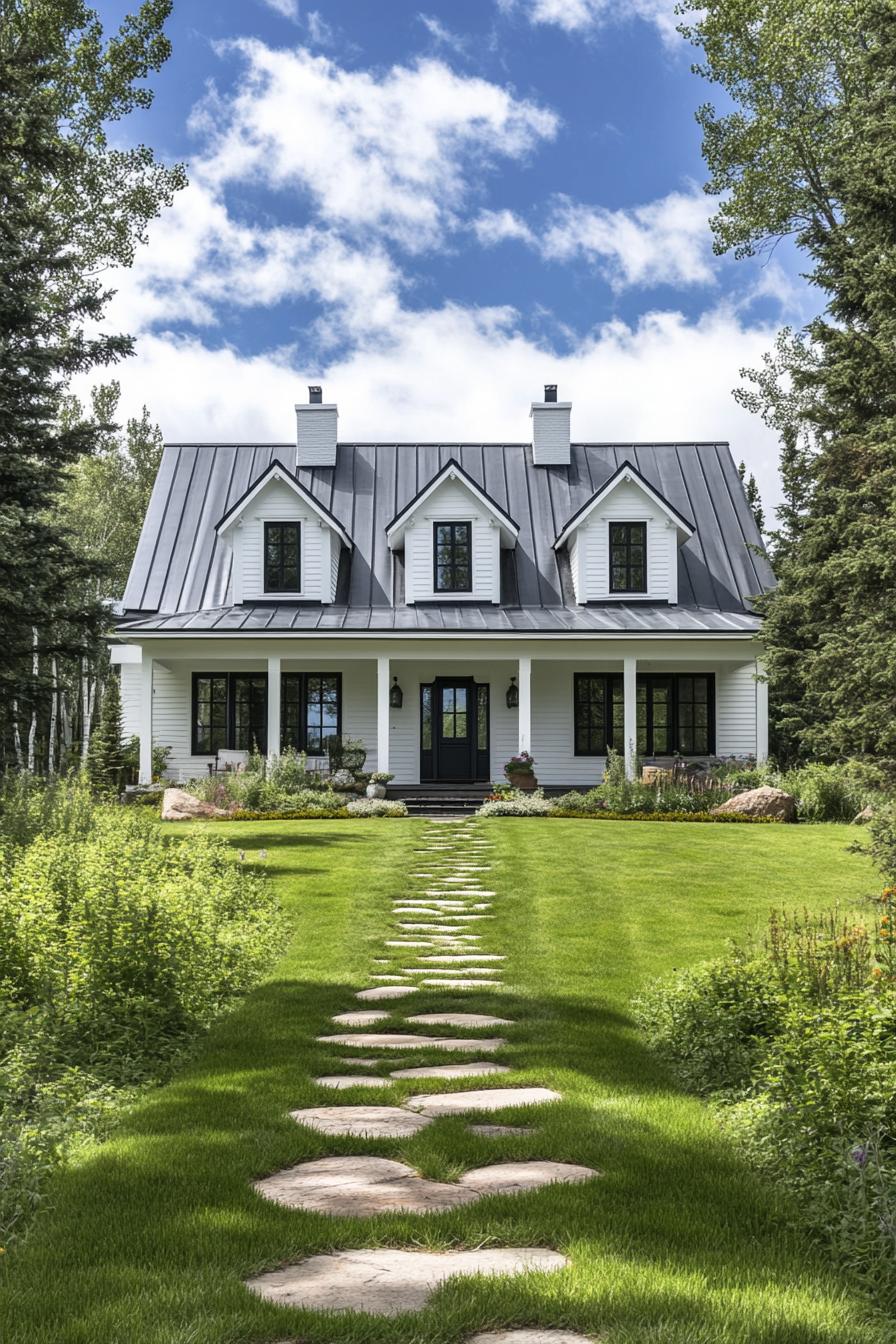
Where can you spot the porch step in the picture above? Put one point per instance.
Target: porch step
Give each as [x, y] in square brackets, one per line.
[441, 801]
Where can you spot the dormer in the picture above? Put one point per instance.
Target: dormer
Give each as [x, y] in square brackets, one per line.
[623, 543]
[452, 534]
[286, 545]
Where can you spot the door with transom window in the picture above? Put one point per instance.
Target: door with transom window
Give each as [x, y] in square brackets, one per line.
[454, 731]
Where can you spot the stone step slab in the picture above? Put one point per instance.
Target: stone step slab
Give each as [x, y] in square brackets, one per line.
[462, 984]
[445, 958]
[487, 1099]
[478, 1068]
[536, 1336]
[395, 1040]
[341, 1082]
[363, 1187]
[359, 1019]
[386, 1282]
[364, 1122]
[500, 1131]
[471, 1020]
[385, 992]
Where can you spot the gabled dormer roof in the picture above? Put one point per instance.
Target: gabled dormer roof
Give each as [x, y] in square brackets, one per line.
[452, 471]
[625, 473]
[277, 472]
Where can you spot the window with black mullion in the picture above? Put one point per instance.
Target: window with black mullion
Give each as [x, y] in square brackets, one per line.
[310, 710]
[282, 562]
[628, 557]
[229, 712]
[452, 558]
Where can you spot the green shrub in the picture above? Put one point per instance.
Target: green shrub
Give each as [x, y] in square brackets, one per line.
[376, 807]
[825, 792]
[882, 841]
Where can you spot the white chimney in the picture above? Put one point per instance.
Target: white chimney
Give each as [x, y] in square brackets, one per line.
[316, 432]
[550, 430]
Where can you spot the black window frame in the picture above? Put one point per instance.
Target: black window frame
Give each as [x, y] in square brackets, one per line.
[627, 545]
[300, 740]
[282, 528]
[466, 528]
[200, 746]
[682, 736]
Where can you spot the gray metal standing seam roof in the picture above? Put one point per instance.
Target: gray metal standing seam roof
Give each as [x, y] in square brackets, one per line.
[180, 579]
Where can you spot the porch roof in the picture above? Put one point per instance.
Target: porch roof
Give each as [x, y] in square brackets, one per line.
[634, 618]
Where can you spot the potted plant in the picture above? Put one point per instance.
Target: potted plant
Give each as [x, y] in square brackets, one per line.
[377, 786]
[520, 772]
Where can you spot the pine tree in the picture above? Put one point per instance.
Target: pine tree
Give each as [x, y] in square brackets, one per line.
[754, 499]
[808, 153]
[105, 759]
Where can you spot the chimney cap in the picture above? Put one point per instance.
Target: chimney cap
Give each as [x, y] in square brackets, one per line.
[315, 395]
[550, 391]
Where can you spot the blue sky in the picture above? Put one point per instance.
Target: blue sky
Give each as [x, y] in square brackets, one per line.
[435, 211]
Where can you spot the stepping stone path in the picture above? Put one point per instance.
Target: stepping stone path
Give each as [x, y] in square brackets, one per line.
[530, 1337]
[390, 1282]
[365, 1186]
[431, 929]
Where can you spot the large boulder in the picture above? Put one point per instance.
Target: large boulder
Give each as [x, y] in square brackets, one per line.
[178, 805]
[864, 816]
[762, 802]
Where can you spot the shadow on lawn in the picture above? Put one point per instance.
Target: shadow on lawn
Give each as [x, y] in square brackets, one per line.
[678, 1216]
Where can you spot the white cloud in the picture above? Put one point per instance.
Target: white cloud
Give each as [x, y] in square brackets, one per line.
[500, 226]
[442, 36]
[289, 9]
[467, 373]
[397, 154]
[319, 31]
[583, 16]
[666, 241]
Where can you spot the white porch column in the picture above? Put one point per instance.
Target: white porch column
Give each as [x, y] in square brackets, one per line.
[630, 711]
[274, 743]
[525, 710]
[382, 713]
[146, 719]
[761, 713]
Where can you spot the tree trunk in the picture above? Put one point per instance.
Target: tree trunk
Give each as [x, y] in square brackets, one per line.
[32, 731]
[54, 718]
[88, 700]
[16, 735]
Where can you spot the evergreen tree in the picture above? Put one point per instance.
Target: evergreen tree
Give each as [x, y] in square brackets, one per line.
[754, 499]
[105, 759]
[808, 153]
[70, 205]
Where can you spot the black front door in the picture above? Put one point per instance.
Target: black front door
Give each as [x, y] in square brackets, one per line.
[454, 730]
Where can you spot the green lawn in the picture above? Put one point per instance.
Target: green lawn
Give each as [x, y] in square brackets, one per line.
[150, 1236]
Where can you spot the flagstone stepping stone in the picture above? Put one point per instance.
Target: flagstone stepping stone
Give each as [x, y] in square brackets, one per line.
[342, 1081]
[431, 928]
[361, 1063]
[451, 970]
[358, 1019]
[464, 956]
[364, 1186]
[395, 1040]
[410, 942]
[386, 992]
[369, 1122]
[462, 984]
[387, 1282]
[500, 1131]
[536, 1336]
[461, 1020]
[479, 1068]
[488, 1099]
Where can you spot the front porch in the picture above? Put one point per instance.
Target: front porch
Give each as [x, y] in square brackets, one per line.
[451, 711]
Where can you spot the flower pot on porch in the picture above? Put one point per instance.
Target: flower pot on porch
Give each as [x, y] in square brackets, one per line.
[524, 780]
[376, 790]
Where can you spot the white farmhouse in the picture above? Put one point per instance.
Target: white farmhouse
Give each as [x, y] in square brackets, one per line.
[449, 603]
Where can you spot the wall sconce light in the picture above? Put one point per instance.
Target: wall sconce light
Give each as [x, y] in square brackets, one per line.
[396, 695]
[513, 694]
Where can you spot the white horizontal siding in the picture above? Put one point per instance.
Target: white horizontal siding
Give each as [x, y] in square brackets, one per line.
[736, 711]
[451, 503]
[131, 675]
[404, 723]
[627, 503]
[276, 503]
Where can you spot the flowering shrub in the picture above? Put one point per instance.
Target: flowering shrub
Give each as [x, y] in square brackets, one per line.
[342, 779]
[523, 764]
[797, 1035]
[376, 807]
[518, 805]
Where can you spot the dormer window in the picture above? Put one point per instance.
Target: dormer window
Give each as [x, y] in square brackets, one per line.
[452, 551]
[282, 558]
[628, 557]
